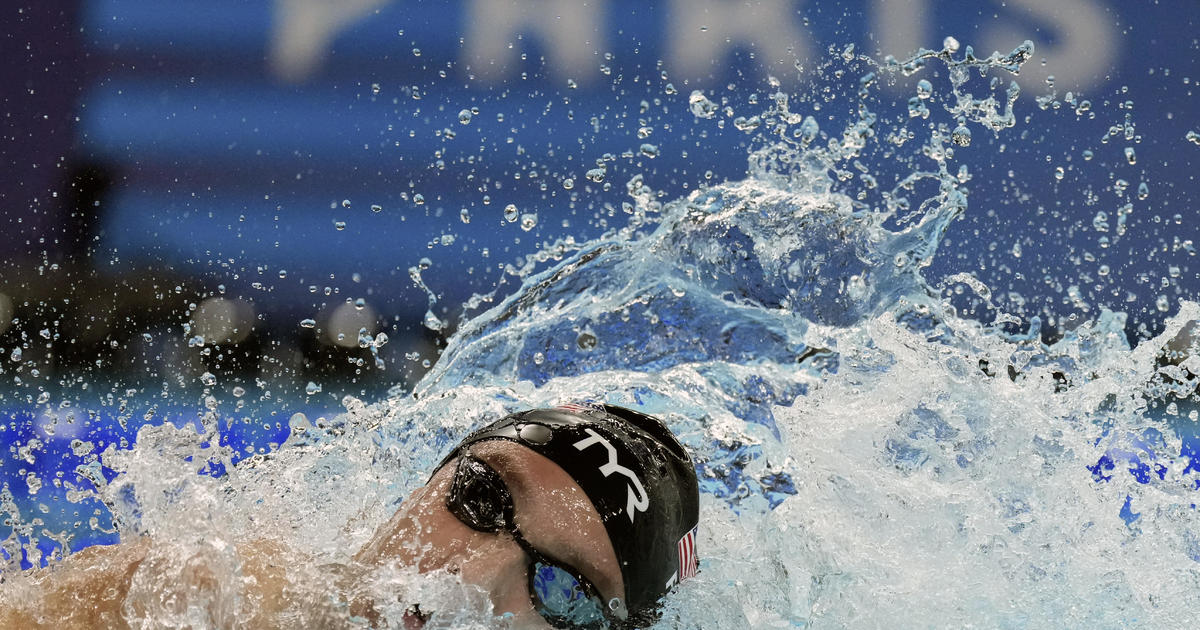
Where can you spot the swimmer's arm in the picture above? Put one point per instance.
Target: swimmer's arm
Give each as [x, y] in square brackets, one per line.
[89, 588]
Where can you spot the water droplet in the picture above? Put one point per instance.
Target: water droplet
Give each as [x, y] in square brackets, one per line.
[747, 124]
[700, 105]
[1059, 173]
[510, 213]
[376, 208]
[528, 221]
[432, 322]
[1162, 303]
[299, 421]
[961, 136]
[375, 88]
[16, 354]
[568, 183]
[464, 117]
[571, 84]
[586, 341]
[950, 45]
[282, 273]
[465, 215]
[239, 391]
[596, 174]
[649, 150]
[345, 203]
[924, 89]
[424, 263]
[539, 358]
[147, 338]
[312, 389]
[43, 398]
[1193, 137]
[339, 225]
[208, 378]
[308, 323]
[1130, 155]
[1143, 191]
[419, 199]
[45, 333]
[1087, 155]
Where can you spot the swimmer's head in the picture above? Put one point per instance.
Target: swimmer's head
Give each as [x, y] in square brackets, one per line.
[634, 472]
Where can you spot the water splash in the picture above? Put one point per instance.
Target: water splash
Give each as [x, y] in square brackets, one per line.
[867, 454]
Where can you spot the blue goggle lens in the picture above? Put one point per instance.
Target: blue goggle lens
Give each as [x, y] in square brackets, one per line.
[563, 600]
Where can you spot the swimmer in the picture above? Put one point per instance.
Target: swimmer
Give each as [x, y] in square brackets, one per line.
[581, 516]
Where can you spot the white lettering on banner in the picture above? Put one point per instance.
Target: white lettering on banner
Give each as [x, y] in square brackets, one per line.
[704, 32]
[570, 31]
[637, 494]
[1079, 50]
[1083, 51]
[303, 30]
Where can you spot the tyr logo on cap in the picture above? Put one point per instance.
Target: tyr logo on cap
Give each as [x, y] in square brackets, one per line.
[638, 500]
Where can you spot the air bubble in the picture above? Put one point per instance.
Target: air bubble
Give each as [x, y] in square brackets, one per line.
[511, 214]
[528, 221]
[311, 389]
[464, 117]
[568, 183]
[208, 378]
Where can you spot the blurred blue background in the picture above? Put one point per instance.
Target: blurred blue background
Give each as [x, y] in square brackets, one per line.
[205, 202]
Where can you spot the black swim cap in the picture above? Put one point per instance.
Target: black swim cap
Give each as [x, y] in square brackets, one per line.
[637, 476]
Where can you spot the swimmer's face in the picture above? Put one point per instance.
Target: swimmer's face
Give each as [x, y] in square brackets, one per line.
[550, 510]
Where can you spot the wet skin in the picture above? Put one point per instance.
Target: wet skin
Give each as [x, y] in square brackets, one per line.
[90, 589]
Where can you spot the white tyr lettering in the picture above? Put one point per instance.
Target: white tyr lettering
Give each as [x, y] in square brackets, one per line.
[638, 501]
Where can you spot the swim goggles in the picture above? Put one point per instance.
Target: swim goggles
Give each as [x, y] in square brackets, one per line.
[480, 499]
